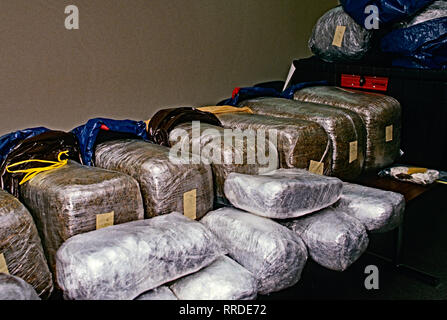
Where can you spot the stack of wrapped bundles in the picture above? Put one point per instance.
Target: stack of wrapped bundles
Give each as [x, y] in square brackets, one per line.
[15, 288]
[76, 199]
[166, 185]
[272, 253]
[124, 261]
[344, 128]
[380, 211]
[160, 293]
[240, 155]
[381, 116]
[224, 279]
[21, 252]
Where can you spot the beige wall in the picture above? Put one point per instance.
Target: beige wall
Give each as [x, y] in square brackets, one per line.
[133, 57]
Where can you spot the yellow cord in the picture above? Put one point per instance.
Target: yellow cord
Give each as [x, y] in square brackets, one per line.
[32, 172]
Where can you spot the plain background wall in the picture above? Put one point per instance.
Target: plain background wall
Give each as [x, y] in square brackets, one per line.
[132, 57]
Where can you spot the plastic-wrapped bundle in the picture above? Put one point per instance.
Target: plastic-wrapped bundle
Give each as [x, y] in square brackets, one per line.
[224, 279]
[335, 240]
[344, 128]
[283, 193]
[123, 261]
[434, 11]
[163, 183]
[381, 116]
[298, 142]
[240, 155]
[337, 37]
[272, 253]
[14, 288]
[160, 293]
[379, 210]
[76, 199]
[21, 252]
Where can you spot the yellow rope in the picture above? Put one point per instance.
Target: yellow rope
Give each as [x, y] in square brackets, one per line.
[225, 109]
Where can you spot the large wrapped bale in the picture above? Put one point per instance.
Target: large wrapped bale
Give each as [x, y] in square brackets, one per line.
[275, 255]
[123, 261]
[226, 151]
[381, 117]
[379, 210]
[283, 193]
[224, 279]
[344, 128]
[15, 288]
[163, 183]
[21, 252]
[298, 142]
[160, 293]
[335, 240]
[76, 199]
[337, 37]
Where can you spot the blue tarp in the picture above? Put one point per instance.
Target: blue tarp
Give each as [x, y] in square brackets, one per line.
[88, 133]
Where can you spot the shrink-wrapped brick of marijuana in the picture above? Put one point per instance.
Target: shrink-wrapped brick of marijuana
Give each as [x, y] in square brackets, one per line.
[337, 37]
[224, 279]
[163, 183]
[381, 116]
[379, 210]
[273, 254]
[76, 199]
[21, 252]
[123, 261]
[283, 193]
[335, 240]
[15, 288]
[344, 128]
[247, 155]
[298, 142]
[160, 293]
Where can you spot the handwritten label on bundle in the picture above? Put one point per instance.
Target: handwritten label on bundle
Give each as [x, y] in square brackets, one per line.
[338, 37]
[3, 265]
[389, 134]
[353, 151]
[190, 204]
[417, 170]
[316, 167]
[104, 220]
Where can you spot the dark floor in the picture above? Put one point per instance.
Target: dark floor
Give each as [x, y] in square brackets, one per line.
[424, 247]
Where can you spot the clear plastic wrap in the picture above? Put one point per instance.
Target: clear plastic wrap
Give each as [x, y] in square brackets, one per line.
[283, 193]
[380, 211]
[162, 182]
[335, 240]
[344, 128]
[381, 117]
[15, 288]
[123, 261]
[337, 37]
[437, 9]
[272, 253]
[224, 279]
[298, 141]
[74, 198]
[420, 176]
[224, 157]
[21, 251]
[160, 293]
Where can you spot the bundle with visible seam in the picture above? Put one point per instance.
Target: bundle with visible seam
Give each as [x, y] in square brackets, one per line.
[224, 279]
[15, 288]
[239, 155]
[123, 261]
[298, 141]
[344, 128]
[283, 193]
[163, 183]
[160, 293]
[335, 240]
[381, 117]
[21, 252]
[379, 210]
[76, 199]
[273, 254]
